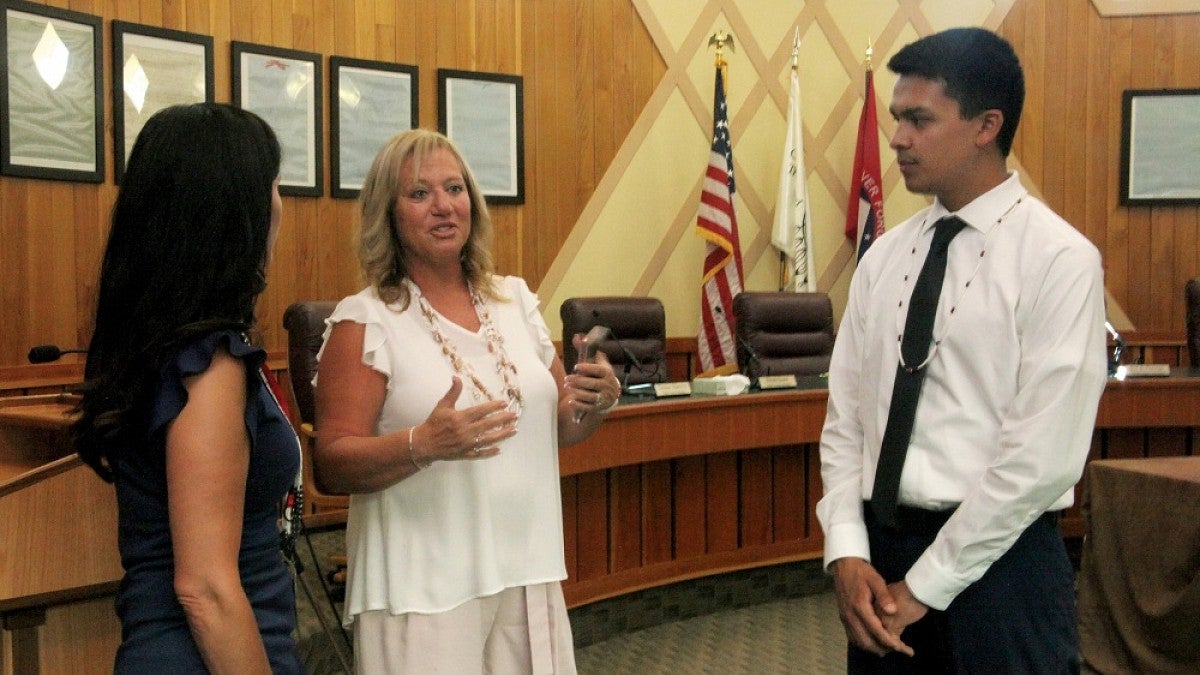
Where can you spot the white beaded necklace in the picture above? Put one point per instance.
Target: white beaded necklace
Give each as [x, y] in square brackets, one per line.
[495, 346]
[906, 290]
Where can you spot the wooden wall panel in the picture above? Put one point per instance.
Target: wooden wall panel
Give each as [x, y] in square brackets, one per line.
[755, 506]
[625, 518]
[656, 513]
[788, 492]
[580, 103]
[689, 511]
[1077, 65]
[589, 68]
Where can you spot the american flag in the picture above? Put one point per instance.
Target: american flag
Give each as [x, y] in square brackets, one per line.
[717, 224]
[864, 213]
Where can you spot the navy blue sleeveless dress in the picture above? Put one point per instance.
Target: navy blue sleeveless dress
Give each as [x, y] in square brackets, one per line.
[154, 633]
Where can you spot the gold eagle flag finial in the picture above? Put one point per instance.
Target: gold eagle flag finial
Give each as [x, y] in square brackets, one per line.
[721, 39]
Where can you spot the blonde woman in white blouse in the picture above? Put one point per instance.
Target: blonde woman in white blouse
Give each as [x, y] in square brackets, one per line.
[441, 406]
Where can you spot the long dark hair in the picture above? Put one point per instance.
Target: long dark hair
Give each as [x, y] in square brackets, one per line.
[185, 256]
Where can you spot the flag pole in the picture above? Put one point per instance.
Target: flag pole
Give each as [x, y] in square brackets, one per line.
[783, 260]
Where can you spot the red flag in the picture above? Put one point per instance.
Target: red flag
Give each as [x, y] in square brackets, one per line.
[716, 222]
[864, 214]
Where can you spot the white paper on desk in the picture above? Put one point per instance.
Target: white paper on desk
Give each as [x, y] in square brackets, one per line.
[721, 385]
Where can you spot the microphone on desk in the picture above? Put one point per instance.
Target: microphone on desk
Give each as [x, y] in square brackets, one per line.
[631, 360]
[48, 353]
[1114, 361]
[589, 344]
[755, 364]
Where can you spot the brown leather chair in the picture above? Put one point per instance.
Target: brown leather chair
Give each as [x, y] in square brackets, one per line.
[782, 333]
[1191, 293]
[638, 348]
[305, 324]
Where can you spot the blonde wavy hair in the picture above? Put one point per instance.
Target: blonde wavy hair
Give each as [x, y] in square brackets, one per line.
[380, 251]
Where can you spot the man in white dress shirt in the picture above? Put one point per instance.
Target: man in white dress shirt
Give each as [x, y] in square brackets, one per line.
[955, 563]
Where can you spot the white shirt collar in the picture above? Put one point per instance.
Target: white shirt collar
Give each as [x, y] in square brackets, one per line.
[983, 211]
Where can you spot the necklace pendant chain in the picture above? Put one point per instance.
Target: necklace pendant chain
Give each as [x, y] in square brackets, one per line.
[503, 366]
[953, 306]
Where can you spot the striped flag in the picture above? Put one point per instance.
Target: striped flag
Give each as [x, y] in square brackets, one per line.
[717, 224]
[864, 214]
[792, 233]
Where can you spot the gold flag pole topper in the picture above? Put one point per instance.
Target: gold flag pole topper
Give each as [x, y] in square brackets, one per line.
[870, 52]
[722, 39]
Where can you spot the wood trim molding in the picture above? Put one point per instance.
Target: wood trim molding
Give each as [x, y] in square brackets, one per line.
[1141, 7]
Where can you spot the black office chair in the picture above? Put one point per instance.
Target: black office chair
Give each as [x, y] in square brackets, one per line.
[638, 346]
[783, 333]
[305, 324]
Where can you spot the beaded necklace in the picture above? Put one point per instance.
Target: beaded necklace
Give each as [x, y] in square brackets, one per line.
[906, 290]
[495, 346]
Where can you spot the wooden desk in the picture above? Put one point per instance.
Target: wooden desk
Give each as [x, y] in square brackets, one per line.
[682, 488]
[59, 565]
[1139, 582]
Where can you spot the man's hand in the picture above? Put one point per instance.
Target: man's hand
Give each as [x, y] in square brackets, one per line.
[908, 609]
[865, 602]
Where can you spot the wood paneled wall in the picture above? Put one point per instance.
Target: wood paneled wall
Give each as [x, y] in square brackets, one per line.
[1077, 65]
[588, 68]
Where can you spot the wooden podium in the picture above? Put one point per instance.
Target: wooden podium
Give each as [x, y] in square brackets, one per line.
[59, 565]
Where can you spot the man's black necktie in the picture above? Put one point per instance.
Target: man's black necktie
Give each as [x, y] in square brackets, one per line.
[910, 373]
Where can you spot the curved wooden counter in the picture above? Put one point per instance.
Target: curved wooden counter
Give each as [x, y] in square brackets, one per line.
[681, 488]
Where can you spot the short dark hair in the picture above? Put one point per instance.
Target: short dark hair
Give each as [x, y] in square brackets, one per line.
[185, 256]
[978, 68]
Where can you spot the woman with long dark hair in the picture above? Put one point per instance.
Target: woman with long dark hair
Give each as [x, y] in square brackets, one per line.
[176, 409]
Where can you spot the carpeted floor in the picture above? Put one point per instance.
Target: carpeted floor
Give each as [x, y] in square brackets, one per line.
[799, 635]
[781, 619]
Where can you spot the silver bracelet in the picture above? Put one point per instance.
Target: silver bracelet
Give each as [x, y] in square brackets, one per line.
[412, 456]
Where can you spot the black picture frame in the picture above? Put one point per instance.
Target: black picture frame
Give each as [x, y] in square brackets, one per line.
[483, 114]
[48, 130]
[373, 100]
[181, 64]
[265, 79]
[1160, 147]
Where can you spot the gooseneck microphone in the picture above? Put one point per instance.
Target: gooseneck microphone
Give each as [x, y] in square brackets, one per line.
[755, 365]
[48, 353]
[1114, 360]
[631, 359]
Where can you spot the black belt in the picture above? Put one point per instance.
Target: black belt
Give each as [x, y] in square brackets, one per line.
[926, 522]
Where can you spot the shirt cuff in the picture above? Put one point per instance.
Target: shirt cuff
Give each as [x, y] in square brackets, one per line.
[846, 540]
[934, 587]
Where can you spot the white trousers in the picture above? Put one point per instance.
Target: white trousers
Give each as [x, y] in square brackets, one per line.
[518, 630]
